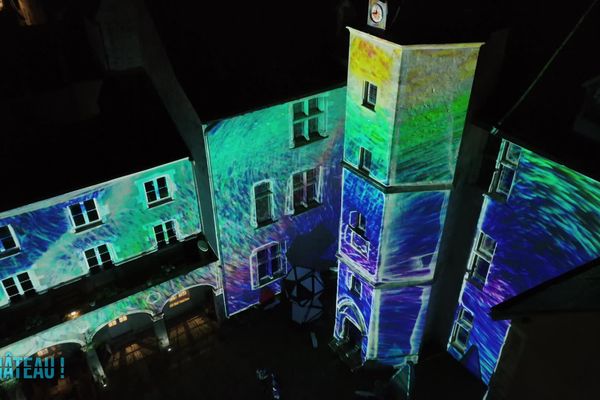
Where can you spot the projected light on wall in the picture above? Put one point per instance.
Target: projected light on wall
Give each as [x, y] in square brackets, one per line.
[542, 220]
[60, 239]
[405, 114]
[276, 178]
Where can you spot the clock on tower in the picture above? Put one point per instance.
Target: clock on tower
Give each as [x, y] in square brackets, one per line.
[377, 13]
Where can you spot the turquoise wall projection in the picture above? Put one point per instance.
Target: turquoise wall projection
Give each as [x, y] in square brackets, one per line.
[81, 330]
[405, 114]
[257, 154]
[50, 248]
[548, 224]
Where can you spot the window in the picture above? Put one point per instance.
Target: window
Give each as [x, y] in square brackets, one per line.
[502, 182]
[165, 234]
[511, 153]
[370, 95]
[263, 203]
[98, 258]
[11, 288]
[26, 285]
[485, 247]
[358, 223]
[504, 176]
[305, 188]
[364, 162]
[308, 120]
[157, 191]
[8, 242]
[358, 233]
[461, 330]
[269, 264]
[21, 286]
[84, 215]
[355, 285]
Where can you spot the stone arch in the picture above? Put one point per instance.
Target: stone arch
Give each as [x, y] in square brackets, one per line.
[347, 309]
[78, 341]
[188, 287]
[92, 332]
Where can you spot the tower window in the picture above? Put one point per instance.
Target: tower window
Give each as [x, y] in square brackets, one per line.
[355, 285]
[364, 162]
[370, 95]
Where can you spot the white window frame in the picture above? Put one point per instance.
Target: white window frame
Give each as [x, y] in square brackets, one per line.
[84, 212]
[100, 264]
[461, 323]
[164, 230]
[13, 250]
[367, 90]
[159, 200]
[318, 200]
[271, 200]
[17, 284]
[254, 266]
[359, 242]
[305, 117]
[473, 276]
[505, 165]
[354, 278]
[362, 156]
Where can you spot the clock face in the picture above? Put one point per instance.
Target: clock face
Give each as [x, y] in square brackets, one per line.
[376, 13]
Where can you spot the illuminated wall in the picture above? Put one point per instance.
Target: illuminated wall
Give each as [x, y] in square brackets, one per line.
[422, 100]
[412, 134]
[549, 224]
[53, 253]
[258, 146]
[82, 329]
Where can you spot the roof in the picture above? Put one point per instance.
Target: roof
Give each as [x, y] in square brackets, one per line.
[576, 290]
[129, 131]
[252, 54]
[544, 121]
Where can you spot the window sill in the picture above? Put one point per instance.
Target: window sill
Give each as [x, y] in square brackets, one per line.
[269, 280]
[497, 196]
[91, 225]
[265, 223]
[160, 202]
[302, 209]
[10, 252]
[368, 106]
[316, 137]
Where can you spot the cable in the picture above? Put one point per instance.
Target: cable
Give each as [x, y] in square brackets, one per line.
[496, 128]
